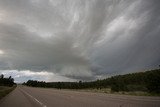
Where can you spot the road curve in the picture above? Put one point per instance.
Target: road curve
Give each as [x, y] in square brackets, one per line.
[39, 97]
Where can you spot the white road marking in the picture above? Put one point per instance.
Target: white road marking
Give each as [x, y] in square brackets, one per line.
[43, 105]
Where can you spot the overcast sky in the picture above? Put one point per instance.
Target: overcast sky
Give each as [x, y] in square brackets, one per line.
[72, 40]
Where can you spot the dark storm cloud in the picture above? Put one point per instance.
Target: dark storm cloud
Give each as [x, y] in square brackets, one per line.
[79, 39]
[27, 50]
[134, 48]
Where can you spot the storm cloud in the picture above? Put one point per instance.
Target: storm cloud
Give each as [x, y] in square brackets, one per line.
[78, 40]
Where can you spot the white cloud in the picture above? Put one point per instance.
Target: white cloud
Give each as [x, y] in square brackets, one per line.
[1, 52]
[23, 76]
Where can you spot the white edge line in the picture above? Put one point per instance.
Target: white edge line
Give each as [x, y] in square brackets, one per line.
[34, 98]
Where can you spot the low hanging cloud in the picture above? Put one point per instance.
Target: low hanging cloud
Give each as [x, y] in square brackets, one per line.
[79, 40]
[26, 75]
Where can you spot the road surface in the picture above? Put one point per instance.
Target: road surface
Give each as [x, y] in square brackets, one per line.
[24, 96]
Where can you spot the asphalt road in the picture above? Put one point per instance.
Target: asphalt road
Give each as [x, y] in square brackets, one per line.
[39, 97]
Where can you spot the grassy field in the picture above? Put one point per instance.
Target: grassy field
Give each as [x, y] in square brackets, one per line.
[4, 90]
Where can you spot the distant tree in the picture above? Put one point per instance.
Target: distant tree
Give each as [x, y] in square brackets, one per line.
[115, 88]
[2, 76]
[153, 81]
[6, 81]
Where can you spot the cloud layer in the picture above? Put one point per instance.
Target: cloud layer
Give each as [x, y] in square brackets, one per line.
[80, 40]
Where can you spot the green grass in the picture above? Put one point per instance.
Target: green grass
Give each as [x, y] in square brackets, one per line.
[4, 90]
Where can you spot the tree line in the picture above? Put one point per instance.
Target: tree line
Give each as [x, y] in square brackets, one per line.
[148, 81]
[6, 81]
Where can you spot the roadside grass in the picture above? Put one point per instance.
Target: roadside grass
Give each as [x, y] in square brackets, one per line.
[103, 90]
[108, 91]
[4, 90]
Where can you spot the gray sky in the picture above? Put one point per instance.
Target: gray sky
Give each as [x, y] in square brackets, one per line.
[70, 40]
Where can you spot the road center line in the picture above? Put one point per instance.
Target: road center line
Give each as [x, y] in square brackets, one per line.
[33, 98]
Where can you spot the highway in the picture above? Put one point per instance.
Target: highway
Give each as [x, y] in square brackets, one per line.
[24, 96]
